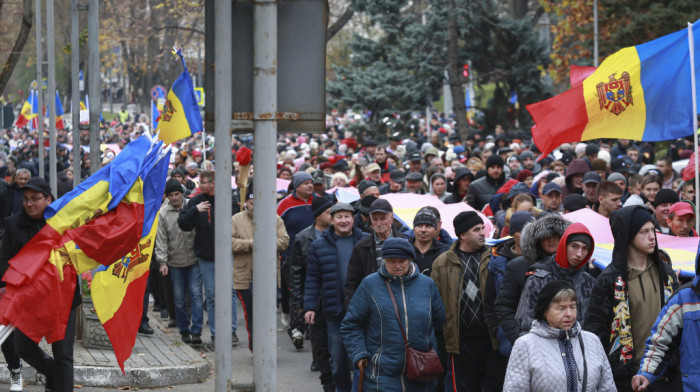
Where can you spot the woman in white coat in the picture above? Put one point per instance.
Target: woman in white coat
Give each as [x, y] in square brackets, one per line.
[557, 355]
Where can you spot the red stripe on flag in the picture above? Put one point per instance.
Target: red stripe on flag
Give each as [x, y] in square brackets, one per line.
[558, 120]
[124, 325]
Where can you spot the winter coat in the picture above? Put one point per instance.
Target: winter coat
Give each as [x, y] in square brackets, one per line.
[322, 276]
[577, 166]
[514, 280]
[371, 330]
[677, 329]
[297, 216]
[537, 362]
[174, 247]
[481, 190]
[297, 274]
[494, 269]
[609, 317]
[448, 275]
[556, 267]
[425, 261]
[363, 262]
[241, 234]
[190, 218]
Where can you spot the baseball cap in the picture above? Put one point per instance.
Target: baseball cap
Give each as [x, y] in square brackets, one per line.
[551, 187]
[381, 205]
[38, 184]
[591, 177]
[414, 156]
[681, 208]
[318, 177]
[372, 167]
[397, 175]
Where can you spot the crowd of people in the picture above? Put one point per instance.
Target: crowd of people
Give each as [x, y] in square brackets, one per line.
[530, 312]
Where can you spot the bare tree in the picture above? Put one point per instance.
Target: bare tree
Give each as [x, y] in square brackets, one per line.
[20, 41]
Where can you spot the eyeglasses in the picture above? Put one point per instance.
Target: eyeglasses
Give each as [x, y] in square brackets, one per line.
[32, 200]
[205, 183]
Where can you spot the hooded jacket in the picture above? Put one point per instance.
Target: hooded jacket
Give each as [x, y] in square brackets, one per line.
[609, 317]
[515, 277]
[554, 268]
[577, 166]
[676, 330]
[371, 330]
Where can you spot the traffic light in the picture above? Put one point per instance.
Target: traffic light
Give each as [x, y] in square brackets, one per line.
[465, 70]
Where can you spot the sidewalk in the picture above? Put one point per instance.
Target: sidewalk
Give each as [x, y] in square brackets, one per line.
[157, 360]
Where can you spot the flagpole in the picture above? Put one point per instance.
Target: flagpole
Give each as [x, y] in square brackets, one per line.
[694, 121]
[204, 147]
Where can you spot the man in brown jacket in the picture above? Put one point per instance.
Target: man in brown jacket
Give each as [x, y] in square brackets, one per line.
[242, 243]
[472, 362]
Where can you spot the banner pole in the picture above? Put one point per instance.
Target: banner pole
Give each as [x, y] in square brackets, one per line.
[691, 47]
[204, 146]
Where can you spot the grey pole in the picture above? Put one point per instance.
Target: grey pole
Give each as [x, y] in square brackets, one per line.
[595, 33]
[264, 257]
[94, 75]
[223, 253]
[52, 95]
[75, 89]
[40, 88]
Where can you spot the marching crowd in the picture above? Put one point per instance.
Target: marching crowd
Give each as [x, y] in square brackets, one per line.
[386, 307]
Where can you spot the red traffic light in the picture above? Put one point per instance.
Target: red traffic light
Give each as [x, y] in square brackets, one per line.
[465, 70]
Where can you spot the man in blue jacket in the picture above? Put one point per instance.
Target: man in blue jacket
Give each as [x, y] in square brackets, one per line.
[325, 277]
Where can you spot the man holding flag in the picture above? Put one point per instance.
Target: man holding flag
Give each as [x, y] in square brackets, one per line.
[21, 227]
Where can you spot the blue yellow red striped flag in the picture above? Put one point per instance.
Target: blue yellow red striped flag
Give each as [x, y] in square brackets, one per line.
[641, 93]
[180, 117]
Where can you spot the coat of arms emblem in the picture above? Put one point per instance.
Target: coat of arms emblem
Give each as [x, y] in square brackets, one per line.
[615, 95]
[168, 110]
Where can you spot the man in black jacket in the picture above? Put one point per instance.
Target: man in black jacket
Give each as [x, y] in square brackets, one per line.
[297, 271]
[629, 294]
[481, 190]
[366, 256]
[199, 214]
[538, 240]
[21, 227]
[424, 241]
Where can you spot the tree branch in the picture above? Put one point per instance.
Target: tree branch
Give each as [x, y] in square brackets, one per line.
[19, 45]
[191, 29]
[339, 23]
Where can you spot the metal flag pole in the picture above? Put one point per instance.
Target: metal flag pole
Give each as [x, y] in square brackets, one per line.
[50, 55]
[691, 47]
[39, 89]
[204, 146]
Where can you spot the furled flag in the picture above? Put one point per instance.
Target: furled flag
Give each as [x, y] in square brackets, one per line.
[59, 113]
[29, 111]
[180, 117]
[640, 93]
[96, 223]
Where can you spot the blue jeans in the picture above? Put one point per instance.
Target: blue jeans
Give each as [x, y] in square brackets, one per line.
[187, 280]
[206, 267]
[340, 365]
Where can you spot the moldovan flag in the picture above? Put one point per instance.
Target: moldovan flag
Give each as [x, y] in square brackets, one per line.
[29, 111]
[118, 289]
[59, 113]
[96, 223]
[180, 117]
[641, 93]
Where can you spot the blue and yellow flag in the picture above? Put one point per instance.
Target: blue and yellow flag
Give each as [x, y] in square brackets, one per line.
[29, 112]
[180, 117]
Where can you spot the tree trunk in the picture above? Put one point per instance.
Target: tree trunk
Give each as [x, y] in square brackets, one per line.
[453, 71]
[19, 45]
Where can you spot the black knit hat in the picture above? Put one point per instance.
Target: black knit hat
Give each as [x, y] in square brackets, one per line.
[172, 185]
[320, 204]
[665, 196]
[639, 217]
[465, 220]
[544, 298]
[494, 160]
[398, 248]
